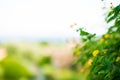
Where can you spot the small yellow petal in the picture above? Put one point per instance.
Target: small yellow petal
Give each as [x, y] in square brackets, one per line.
[82, 70]
[95, 53]
[102, 39]
[89, 63]
[106, 36]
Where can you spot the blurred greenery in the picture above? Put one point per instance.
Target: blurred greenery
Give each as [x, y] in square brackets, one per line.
[32, 61]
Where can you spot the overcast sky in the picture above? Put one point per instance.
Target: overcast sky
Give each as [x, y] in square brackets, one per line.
[50, 18]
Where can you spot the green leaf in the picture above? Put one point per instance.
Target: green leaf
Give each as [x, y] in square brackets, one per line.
[82, 32]
[85, 35]
[115, 13]
[101, 72]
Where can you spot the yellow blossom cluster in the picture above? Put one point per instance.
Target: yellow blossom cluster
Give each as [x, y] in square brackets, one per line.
[106, 36]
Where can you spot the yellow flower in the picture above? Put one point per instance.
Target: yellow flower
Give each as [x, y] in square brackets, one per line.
[89, 63]
[106, 36]
[101, 39]
[82, 70]
[118, 59]
[95, 53]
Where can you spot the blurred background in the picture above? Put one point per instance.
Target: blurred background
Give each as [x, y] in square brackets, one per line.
[37, 37]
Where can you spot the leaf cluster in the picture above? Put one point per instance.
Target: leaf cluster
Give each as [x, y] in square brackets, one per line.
[106, 64]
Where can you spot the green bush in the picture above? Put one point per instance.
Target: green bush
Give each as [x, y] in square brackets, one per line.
[99, 58]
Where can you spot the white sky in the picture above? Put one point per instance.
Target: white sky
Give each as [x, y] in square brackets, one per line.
[50, 18]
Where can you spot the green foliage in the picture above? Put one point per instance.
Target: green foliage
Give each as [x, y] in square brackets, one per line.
[85, 35]
[100, 58]
[113, 14]
[13, 69]
[45, 60]
[29, 61]
[11, 49]
[43, 43]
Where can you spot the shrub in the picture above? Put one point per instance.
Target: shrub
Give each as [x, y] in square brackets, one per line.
[100, 57]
